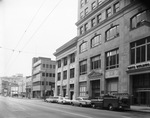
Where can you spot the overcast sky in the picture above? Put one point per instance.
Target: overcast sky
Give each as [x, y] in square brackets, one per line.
[33, 28]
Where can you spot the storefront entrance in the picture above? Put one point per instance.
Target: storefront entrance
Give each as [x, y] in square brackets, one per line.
[141, 89]
[95, 88]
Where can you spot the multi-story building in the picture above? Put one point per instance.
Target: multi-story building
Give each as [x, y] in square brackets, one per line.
[113, 49]
[43, 77]
[65, 80]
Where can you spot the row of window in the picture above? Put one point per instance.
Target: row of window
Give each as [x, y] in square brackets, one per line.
[48, 66]
[112, 61]
[72, 73]
[111, 33]
[42, 83]
[65, 60]
[48, 74]
[99, 18]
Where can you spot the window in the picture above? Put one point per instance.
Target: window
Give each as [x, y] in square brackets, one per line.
[81, 3]
[81, 30]
[100, 1]
[43, 74]
[139, 19]
[116, 7]
[59, 63]
[83, 47]
[86, 27]
[93, 5]
[95, 41]
[50, 66]
[82, 88]
[58, 76]
[53, 74]
[81, 14]
[72, 58]
[140, 51]
[65, 74]
[99, 18]
[95, 62]
[93, 22]
[65, 61]
[46, 74]
[108, 12]
[83, 67]
[50, 74]
[112, 59]
[72, 73]
[53, 66]
[86, 11]
[112, 32]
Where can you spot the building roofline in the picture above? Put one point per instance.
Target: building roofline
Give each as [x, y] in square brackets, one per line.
[66, 45]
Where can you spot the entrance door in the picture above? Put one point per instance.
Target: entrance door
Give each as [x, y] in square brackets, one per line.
[95, 88]
[71, 95]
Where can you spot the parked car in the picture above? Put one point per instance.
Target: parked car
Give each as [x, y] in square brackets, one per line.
[55, 99]
[60, 100]
[66, 100]
[81, 101]
[49, 99]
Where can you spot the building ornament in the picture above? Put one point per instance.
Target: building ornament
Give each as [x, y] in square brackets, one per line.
[94, 74]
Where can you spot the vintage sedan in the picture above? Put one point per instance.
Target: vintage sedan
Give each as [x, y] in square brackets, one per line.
[81, 101]
[66, 100]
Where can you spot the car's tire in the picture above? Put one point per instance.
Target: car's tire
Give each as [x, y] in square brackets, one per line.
[80, 105]
[110, 107]
[72, 104]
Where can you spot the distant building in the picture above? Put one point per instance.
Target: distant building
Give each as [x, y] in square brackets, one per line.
[43, 77]
[65, 80]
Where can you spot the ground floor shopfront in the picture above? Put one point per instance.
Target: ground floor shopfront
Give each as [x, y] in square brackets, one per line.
[140, 89]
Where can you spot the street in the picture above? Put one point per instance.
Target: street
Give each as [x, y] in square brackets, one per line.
[26, 108]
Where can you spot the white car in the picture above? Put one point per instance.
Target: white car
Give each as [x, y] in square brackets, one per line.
[49, 99]
[81, 101]
[66, 100]
[60, 100]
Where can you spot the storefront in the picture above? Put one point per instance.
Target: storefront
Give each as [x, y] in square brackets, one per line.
[141, 89]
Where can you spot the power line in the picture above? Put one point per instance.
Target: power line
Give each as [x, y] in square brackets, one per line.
[20, 51]
[41, 24]
[38, 28]
[26, 30]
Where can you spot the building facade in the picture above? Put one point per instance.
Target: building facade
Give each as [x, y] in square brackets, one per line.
[43, 77]
[113, 49]
[65, 80]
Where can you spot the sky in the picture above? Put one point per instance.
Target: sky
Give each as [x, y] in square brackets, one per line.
[33, 28]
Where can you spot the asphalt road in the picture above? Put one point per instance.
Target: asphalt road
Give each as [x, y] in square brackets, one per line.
[24, 108]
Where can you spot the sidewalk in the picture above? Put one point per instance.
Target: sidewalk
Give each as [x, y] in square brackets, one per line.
[140, 109]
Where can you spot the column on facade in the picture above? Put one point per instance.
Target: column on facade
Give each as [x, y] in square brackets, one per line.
[87, 79]
[61, 85]
[68, 76]
[102, 79]
[56, 76]
[76, 86]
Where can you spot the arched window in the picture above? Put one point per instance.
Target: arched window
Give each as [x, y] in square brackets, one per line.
[96, 40]
[139, 18]
[83, 47]
[112, 32]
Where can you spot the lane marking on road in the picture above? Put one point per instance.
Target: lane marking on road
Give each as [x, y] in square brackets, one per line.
[71, 113]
